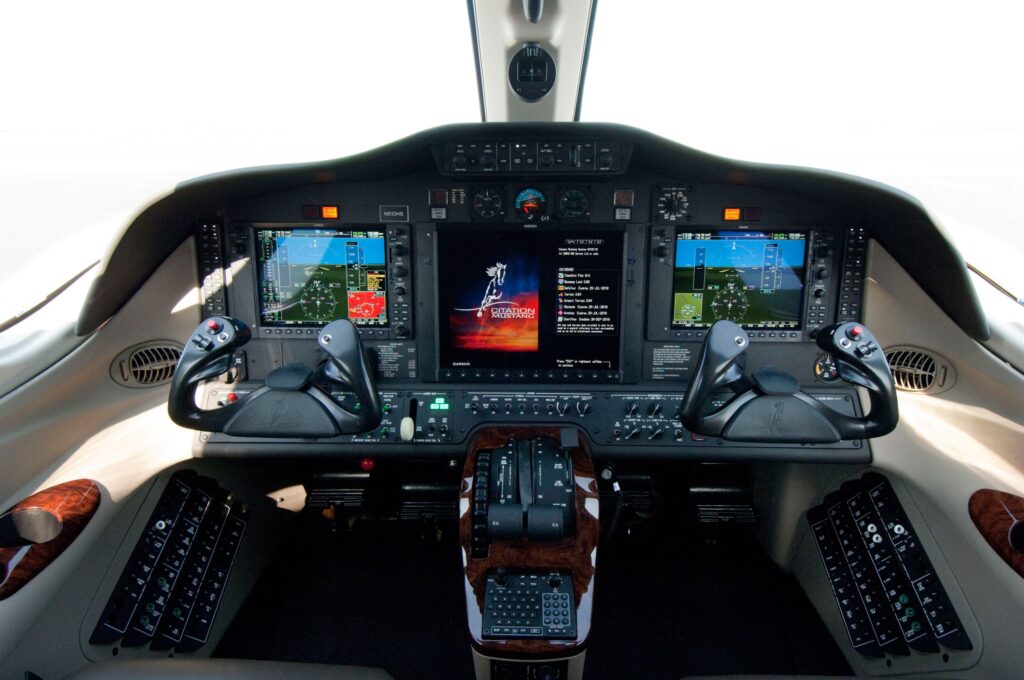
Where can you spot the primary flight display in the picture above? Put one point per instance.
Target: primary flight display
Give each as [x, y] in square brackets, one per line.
[310, 277]
[755, 279]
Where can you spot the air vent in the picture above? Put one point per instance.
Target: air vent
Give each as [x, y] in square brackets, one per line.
[146, 365]
[916, 370]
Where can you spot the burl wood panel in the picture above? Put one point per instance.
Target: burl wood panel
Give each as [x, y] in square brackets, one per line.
[577, 554]
[73, 503]
[994, 512]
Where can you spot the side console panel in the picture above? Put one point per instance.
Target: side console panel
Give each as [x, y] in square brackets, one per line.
[871, 569]
[187, 562]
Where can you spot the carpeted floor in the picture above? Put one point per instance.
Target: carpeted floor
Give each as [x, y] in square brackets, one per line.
[664, 607]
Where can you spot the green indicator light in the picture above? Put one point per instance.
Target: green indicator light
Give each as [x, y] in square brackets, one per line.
[444, 407]
[904, 599]
[150, 607]
[387, 408]
[909, 611]
[434, 407]
[916, 626]
[144, 620]
[177, 613]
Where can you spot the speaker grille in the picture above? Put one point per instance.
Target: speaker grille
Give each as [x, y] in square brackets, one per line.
[915, 370]
[146, 365]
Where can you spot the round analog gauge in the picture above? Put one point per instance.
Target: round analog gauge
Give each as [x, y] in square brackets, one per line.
[825, 368]
[530, 203]
[672, 204]
[488, 203]
[573, 204]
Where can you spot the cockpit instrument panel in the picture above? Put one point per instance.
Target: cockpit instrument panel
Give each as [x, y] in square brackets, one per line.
[755, 279]
[310, 277]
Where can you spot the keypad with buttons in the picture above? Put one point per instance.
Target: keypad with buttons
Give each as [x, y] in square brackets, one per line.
[520, 604]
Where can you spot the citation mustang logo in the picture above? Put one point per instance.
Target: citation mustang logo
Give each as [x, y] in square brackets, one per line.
[505, 319]
[493, 302]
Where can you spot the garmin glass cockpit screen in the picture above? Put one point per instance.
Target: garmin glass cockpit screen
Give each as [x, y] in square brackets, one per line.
[310, 277]
[529, 301]
[755, 279]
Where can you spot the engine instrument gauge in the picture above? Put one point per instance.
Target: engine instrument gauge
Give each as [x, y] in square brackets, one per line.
[825, 368]
[488, 203]
[573, 204]
[530, 203]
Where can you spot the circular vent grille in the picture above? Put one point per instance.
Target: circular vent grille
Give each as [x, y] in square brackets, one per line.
[146, 365]
[916, 370]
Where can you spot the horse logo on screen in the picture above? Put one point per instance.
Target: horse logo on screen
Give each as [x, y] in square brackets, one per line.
[493, 293]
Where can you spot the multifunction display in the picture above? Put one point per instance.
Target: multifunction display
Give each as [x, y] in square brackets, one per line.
[310, 277]
[755, 279]
[529, 300]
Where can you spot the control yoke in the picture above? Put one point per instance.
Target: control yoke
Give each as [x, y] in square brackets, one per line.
[295, 401]
[769, 406]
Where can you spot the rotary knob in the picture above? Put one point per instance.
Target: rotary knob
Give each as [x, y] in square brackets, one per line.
[583, 407]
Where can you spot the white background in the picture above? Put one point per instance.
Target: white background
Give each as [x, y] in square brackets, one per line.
[103, 105]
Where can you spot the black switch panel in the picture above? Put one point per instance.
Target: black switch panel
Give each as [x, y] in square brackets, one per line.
[529, 604]
[124, 601]
[862, 636]
[168, 592]
[888, 594]
[210, 251]
[190, 581]
[943, 619]
[851, 288]
[869, 585]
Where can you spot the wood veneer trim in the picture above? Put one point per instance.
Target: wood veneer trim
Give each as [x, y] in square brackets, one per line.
[577, 554]
[993, 513]
[73, 503]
